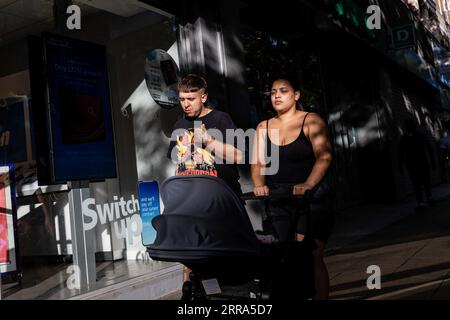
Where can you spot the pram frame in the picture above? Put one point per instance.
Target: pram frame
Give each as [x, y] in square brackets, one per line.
[259, 282]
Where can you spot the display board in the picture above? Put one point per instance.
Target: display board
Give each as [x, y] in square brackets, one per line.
[149, 208]
[81, 132]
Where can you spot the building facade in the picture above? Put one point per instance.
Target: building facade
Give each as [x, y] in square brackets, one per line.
[364, 82]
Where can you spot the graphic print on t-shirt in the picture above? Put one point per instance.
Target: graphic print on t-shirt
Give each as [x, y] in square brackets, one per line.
[193, 159]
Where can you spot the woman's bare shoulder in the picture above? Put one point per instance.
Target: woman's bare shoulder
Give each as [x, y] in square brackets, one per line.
[314, 118]
[263, 124]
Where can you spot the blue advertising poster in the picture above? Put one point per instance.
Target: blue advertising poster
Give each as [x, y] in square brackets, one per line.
[149, 208]
[80, 110]
[12, 133]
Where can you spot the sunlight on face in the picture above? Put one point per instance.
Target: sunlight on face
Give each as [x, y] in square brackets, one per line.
[192, 102]
[283, 96]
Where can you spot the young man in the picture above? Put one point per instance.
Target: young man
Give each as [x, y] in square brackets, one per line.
[195, 150]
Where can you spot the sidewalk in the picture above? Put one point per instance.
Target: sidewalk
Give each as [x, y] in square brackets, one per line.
[411, 248]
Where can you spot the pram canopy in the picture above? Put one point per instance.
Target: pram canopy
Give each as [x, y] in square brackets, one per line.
[202, 219]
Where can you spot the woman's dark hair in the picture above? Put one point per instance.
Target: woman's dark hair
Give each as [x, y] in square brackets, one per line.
[292, 80]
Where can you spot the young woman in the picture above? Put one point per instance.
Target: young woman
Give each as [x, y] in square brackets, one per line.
[304, 158]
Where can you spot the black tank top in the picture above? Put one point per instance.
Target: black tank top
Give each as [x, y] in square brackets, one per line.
[296, 159]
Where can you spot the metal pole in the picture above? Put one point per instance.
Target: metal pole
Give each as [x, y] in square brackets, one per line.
[82, 241]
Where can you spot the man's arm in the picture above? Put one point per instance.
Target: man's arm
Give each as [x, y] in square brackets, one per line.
[227, 152]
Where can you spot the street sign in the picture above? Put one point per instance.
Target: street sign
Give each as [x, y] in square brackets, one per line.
[403, 37]
[162, 76]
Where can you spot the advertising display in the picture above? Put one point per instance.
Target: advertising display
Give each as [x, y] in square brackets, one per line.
[7, 212]
[149, 208]
[161, 77]
[15, 131]
[80, 110]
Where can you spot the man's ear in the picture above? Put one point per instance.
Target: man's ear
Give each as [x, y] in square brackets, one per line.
[204, 97]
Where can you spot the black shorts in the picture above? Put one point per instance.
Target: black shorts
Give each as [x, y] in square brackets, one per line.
[314, 221]
[322, 221]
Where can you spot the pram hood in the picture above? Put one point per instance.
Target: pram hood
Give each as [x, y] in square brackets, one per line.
[202, 218]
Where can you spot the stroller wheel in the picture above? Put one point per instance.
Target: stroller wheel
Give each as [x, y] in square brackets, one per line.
[186, 291]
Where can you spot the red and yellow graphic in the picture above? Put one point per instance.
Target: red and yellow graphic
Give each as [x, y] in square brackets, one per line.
[193, 160]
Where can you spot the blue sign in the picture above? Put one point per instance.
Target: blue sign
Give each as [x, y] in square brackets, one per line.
[14, 127]
[149, 208]
[80, 110]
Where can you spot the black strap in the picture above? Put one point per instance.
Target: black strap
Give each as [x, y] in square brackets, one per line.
[303, 124]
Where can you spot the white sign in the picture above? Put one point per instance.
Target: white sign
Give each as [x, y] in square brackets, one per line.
[161, 77]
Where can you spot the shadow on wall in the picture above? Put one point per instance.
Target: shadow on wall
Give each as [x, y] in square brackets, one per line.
[152, 125]
[152, 132]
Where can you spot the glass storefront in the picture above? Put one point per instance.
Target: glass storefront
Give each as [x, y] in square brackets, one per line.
[46, 227]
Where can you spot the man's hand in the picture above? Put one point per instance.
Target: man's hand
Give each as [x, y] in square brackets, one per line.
[261, 191]
[201, 136]
[301, 188]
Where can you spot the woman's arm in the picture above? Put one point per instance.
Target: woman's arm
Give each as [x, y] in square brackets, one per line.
[317, 133]
[258, 163]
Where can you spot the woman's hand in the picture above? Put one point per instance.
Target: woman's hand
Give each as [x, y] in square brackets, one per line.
[301, 188]
[261, 191]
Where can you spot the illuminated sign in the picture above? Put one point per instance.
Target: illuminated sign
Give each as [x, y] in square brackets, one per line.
[80, 110]
[352, 15]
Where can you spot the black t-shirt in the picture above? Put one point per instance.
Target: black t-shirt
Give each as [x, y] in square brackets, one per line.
[192, 160]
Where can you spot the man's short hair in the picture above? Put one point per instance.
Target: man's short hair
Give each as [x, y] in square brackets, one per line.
[193, 83]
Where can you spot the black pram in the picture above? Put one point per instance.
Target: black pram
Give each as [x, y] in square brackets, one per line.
[205, 227]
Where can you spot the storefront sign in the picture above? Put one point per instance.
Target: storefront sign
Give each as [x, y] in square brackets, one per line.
[352, 15]
[161, 77]
[149, 208]
[80, 110]
[403, 37]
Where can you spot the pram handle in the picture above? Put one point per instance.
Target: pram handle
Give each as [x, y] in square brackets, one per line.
[276, 195]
